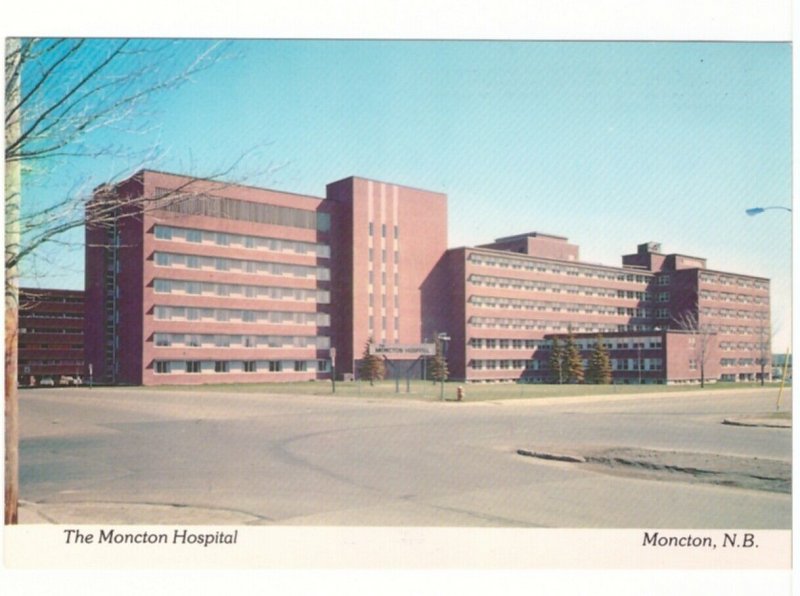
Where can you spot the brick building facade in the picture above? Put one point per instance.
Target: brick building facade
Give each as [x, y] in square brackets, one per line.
[202, 282]
[51, 344]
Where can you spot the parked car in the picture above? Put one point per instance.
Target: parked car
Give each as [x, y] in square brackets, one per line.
[47, 382]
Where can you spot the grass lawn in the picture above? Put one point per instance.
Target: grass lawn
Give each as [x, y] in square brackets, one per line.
[425, 390]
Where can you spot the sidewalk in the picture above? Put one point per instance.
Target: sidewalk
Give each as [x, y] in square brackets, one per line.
[130, 513]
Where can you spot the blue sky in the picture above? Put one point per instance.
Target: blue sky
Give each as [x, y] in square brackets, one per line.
[611, 144]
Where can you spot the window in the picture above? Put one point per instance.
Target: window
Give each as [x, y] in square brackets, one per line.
[249, 366]
[163, 339]
[193, 366]
[383, 230]
[663, 280]
[162, 367]
[371, 229]
[221, 366]
[194, 236]
[300, 365]
[663, 296]
[163, 233]
[275, 366]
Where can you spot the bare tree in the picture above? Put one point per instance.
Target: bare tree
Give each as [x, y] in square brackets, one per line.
[702, 338]
[58, 93]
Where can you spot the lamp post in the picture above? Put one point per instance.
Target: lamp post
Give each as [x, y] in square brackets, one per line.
[333, 370]
[758, 210]
[639, 359]
[443, 339]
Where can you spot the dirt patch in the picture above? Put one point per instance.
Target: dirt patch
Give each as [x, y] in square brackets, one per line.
[681, 466]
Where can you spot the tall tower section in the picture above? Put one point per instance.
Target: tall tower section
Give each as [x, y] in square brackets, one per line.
[387, 282]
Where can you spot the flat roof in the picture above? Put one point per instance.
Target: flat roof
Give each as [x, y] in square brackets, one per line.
[506, 253]
[139, 173]
[417, 188]
[529, 235]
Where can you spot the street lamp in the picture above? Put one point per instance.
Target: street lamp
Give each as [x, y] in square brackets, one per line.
[758, 210]
[332, 353]
[443, 339]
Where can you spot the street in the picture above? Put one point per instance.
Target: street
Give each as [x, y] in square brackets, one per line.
[135, 456]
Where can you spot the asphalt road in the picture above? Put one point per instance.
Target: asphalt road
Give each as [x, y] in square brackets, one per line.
[133, 456]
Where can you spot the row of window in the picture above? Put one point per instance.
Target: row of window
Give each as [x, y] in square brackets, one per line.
[384, 300]
[549, 267]
[742, 345]
[225, 208]
[50, 315]
[731, 329]
[241, 241]
[60, 362]
[383, 230]
[737, 362]
[634, 363]
[271, 317]
[555, 288]
[533, 364]
[504, 364]
[729, 280]
[383, 256]
[493, 281]
[29, 298]
[643, 343]
[51, 330]
[539, 325]
[541, 305]
[167, 259]
[730, 313]
[223, 340]
[239, 366]
[731, 297]
[652, 343]
[199, 288]
[503, 344]
[30, 346]
[383, 278]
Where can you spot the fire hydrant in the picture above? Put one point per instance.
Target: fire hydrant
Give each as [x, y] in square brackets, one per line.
[459, 394]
